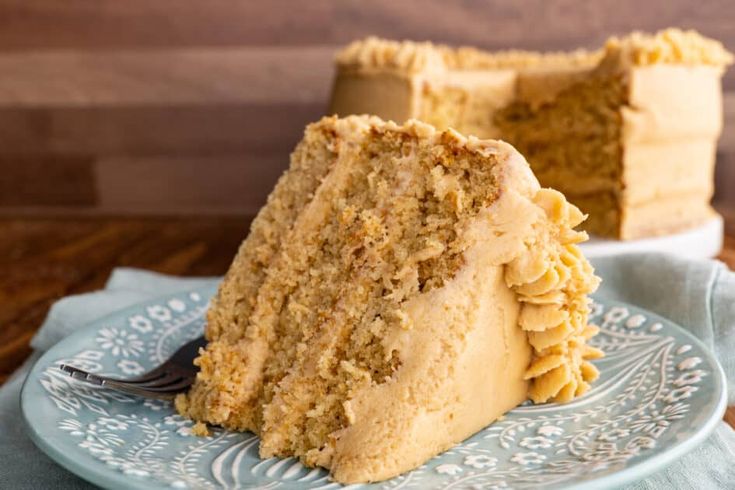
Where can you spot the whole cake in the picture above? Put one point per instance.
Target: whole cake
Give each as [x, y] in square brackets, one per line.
[402, 288]
[628, 133]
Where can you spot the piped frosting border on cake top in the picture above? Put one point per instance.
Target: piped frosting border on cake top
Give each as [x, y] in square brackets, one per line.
[668, 46]
[414, 57]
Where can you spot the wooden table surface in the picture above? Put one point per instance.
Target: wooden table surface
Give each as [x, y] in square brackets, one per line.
[44, 259]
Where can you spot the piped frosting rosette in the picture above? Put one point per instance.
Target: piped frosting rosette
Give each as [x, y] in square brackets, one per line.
[552, 281]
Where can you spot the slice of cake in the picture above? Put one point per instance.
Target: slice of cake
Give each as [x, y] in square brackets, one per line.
[401, 289]
[628, 133]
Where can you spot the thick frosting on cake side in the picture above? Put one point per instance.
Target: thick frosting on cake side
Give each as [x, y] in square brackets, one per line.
[425, 286]
[592, 124]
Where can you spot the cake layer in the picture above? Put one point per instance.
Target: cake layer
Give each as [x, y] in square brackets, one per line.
[662, 216]
[425, 285]
[670, 102]
[658, 170]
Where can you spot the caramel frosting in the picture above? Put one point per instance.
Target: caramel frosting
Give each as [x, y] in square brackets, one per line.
[377, 53]
[414, 57]
[552, 280]
[670, 46]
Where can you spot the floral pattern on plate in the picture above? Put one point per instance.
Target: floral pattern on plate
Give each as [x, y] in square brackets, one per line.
[658, 387]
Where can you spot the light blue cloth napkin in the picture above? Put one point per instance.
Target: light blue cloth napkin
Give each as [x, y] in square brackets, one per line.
[699, 295]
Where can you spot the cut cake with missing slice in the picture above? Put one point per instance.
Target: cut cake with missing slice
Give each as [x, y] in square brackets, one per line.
[628, 132]
[402, 288]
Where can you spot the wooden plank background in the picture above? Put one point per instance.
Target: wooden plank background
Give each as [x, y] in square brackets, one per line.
[191, 107]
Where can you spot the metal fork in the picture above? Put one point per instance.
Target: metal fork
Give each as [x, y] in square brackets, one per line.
[163, 383]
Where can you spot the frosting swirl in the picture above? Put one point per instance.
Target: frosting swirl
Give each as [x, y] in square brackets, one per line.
[552, 280]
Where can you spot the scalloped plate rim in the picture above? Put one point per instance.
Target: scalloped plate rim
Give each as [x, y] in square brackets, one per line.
[661, 461]
[94, 472]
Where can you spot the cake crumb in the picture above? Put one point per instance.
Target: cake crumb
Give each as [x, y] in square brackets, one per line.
[200, 429]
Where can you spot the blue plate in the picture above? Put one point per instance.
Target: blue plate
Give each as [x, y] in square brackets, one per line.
[659, 395]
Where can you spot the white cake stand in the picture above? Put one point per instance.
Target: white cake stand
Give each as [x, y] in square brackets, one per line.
[702, 242]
